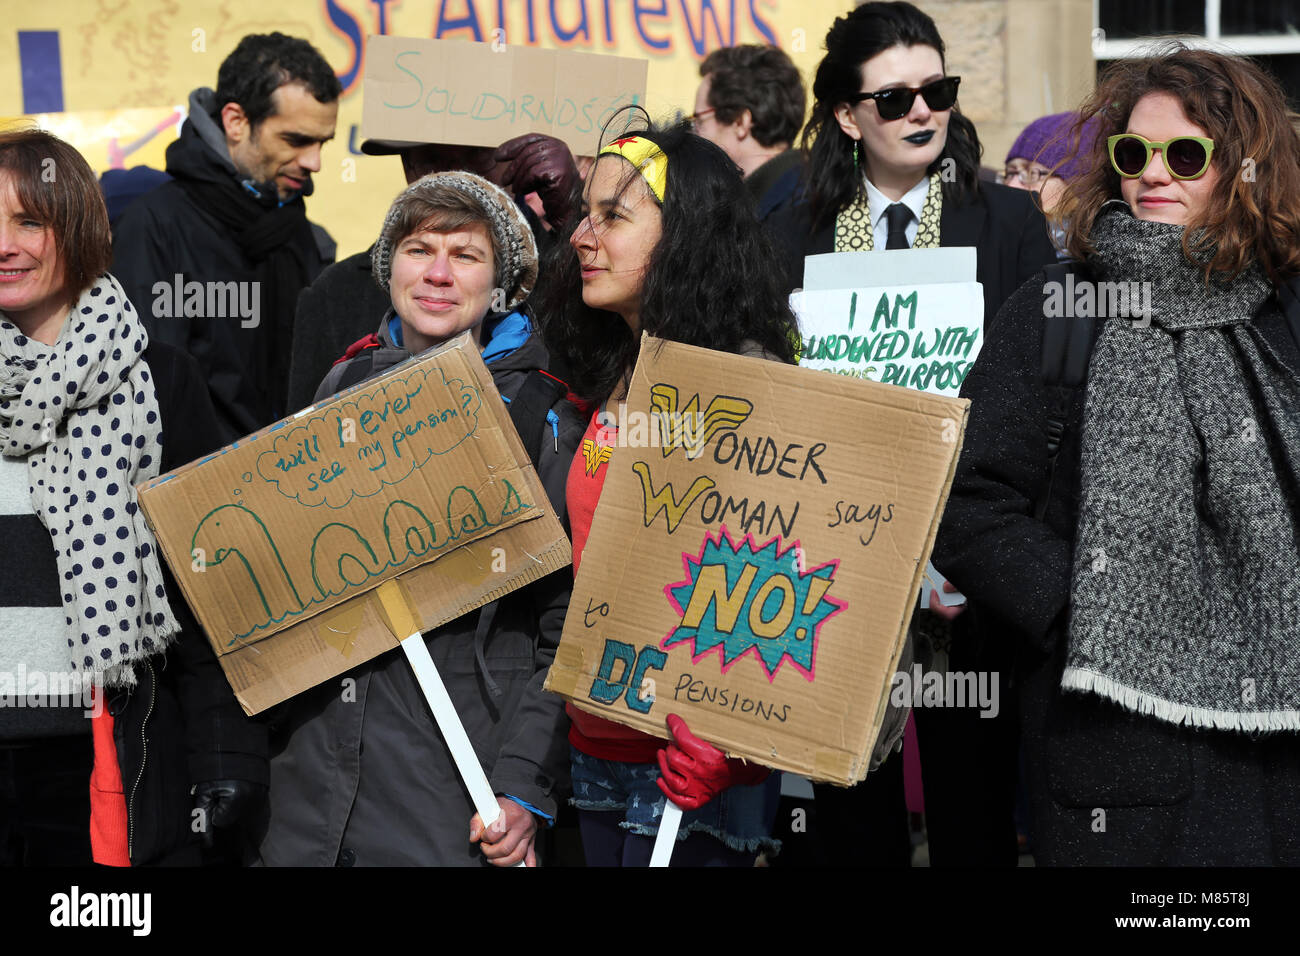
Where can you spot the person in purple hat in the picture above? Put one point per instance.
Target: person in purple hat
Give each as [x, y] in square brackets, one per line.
[1040, 159]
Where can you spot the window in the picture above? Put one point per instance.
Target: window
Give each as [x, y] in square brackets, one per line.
[1260, 17]
[1126, 20]
[1267, 30]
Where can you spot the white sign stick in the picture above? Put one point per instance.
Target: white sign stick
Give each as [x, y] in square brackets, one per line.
[402, 620]
[667, 835]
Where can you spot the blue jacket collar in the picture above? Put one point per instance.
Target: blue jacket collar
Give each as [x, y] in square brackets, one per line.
[501, 333]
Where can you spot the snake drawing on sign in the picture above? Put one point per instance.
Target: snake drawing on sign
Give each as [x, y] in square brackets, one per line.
[341, 557]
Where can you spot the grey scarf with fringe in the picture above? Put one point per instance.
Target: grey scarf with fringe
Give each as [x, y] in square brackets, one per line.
[1185, 600]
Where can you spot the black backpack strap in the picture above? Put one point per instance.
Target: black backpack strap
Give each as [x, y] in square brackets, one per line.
[1067, 347]
[1288, 297]
[1067, 340]
[528, 411]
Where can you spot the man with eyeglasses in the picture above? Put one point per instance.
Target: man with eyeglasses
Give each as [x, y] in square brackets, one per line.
[1023, 174]
[751, 103]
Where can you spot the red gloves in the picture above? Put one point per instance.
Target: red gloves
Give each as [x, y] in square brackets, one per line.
[694, 772]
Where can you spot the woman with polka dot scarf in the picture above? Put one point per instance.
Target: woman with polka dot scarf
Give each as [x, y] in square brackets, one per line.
[89, 408]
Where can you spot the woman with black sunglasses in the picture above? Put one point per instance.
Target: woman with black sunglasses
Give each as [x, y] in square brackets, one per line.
[1152, 574]
[894, 164]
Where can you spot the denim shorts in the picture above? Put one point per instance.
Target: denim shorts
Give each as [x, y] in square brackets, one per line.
[741, 817]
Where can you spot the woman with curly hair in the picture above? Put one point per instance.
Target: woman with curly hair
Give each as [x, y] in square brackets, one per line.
[1150, 569]
[668, 244]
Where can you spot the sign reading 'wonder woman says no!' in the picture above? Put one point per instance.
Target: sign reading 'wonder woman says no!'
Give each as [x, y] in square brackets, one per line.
[755, 556]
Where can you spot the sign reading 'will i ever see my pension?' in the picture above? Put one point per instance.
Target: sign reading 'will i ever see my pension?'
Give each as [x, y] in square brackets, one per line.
[755, 555]
[482, 94]
[280, 540]
[924, 336]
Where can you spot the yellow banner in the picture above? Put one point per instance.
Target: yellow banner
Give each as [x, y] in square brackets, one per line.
[108, 78]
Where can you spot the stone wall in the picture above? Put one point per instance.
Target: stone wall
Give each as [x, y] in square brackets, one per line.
[1018, 60]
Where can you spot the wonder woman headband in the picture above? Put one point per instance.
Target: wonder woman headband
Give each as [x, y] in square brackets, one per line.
[648, 159]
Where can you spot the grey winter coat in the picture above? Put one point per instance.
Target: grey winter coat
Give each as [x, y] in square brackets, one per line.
[1107, 786]
[410, 807]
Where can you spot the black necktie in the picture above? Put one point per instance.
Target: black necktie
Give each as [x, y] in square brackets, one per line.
[897, 217]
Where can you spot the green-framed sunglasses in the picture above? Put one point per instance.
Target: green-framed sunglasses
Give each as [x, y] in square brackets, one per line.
[1186, 157]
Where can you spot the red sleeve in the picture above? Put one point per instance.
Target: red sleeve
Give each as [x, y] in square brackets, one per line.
[586, 479]
[588, 733]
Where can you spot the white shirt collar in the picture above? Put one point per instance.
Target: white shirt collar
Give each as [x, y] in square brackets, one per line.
[913, 199]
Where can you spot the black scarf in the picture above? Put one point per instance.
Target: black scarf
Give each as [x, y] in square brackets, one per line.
[273, 238]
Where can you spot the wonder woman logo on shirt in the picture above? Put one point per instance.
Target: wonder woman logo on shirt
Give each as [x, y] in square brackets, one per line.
[595, 455]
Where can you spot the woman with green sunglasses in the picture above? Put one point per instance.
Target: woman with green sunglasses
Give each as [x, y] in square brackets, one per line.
[1186, 157]
[1141, 530]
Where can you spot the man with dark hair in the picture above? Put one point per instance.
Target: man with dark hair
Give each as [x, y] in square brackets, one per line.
[751, 103]
[214, 260]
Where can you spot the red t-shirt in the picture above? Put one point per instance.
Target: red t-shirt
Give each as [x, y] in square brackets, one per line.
[593, 735]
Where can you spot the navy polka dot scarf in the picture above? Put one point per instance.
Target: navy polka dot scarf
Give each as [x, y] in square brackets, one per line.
[84, 414]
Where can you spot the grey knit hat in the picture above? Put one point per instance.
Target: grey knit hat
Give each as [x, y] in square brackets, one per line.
[517, 270]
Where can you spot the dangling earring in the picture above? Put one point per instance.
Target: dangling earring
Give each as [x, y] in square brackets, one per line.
[855, 155]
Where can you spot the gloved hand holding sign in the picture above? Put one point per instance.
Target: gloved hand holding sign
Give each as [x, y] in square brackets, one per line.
[694, 772]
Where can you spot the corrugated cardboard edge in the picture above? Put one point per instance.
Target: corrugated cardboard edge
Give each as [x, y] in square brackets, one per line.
[858, 769]
[827, 762]
[546, 538]
[256, 697]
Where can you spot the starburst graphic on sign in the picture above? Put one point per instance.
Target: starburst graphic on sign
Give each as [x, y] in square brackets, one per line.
[739, 598]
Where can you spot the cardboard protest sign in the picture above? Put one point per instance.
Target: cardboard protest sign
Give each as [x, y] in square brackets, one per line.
[278, 540]
[755, 556]
[924, 336]
[482, 94]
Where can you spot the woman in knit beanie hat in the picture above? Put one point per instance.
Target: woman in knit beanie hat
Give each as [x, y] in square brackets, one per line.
[457, 256]
[449, 208]
[1044, 156]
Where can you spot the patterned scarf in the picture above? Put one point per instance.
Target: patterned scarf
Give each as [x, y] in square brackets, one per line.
[84, 414]
[855, 232]
[1186, 580]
